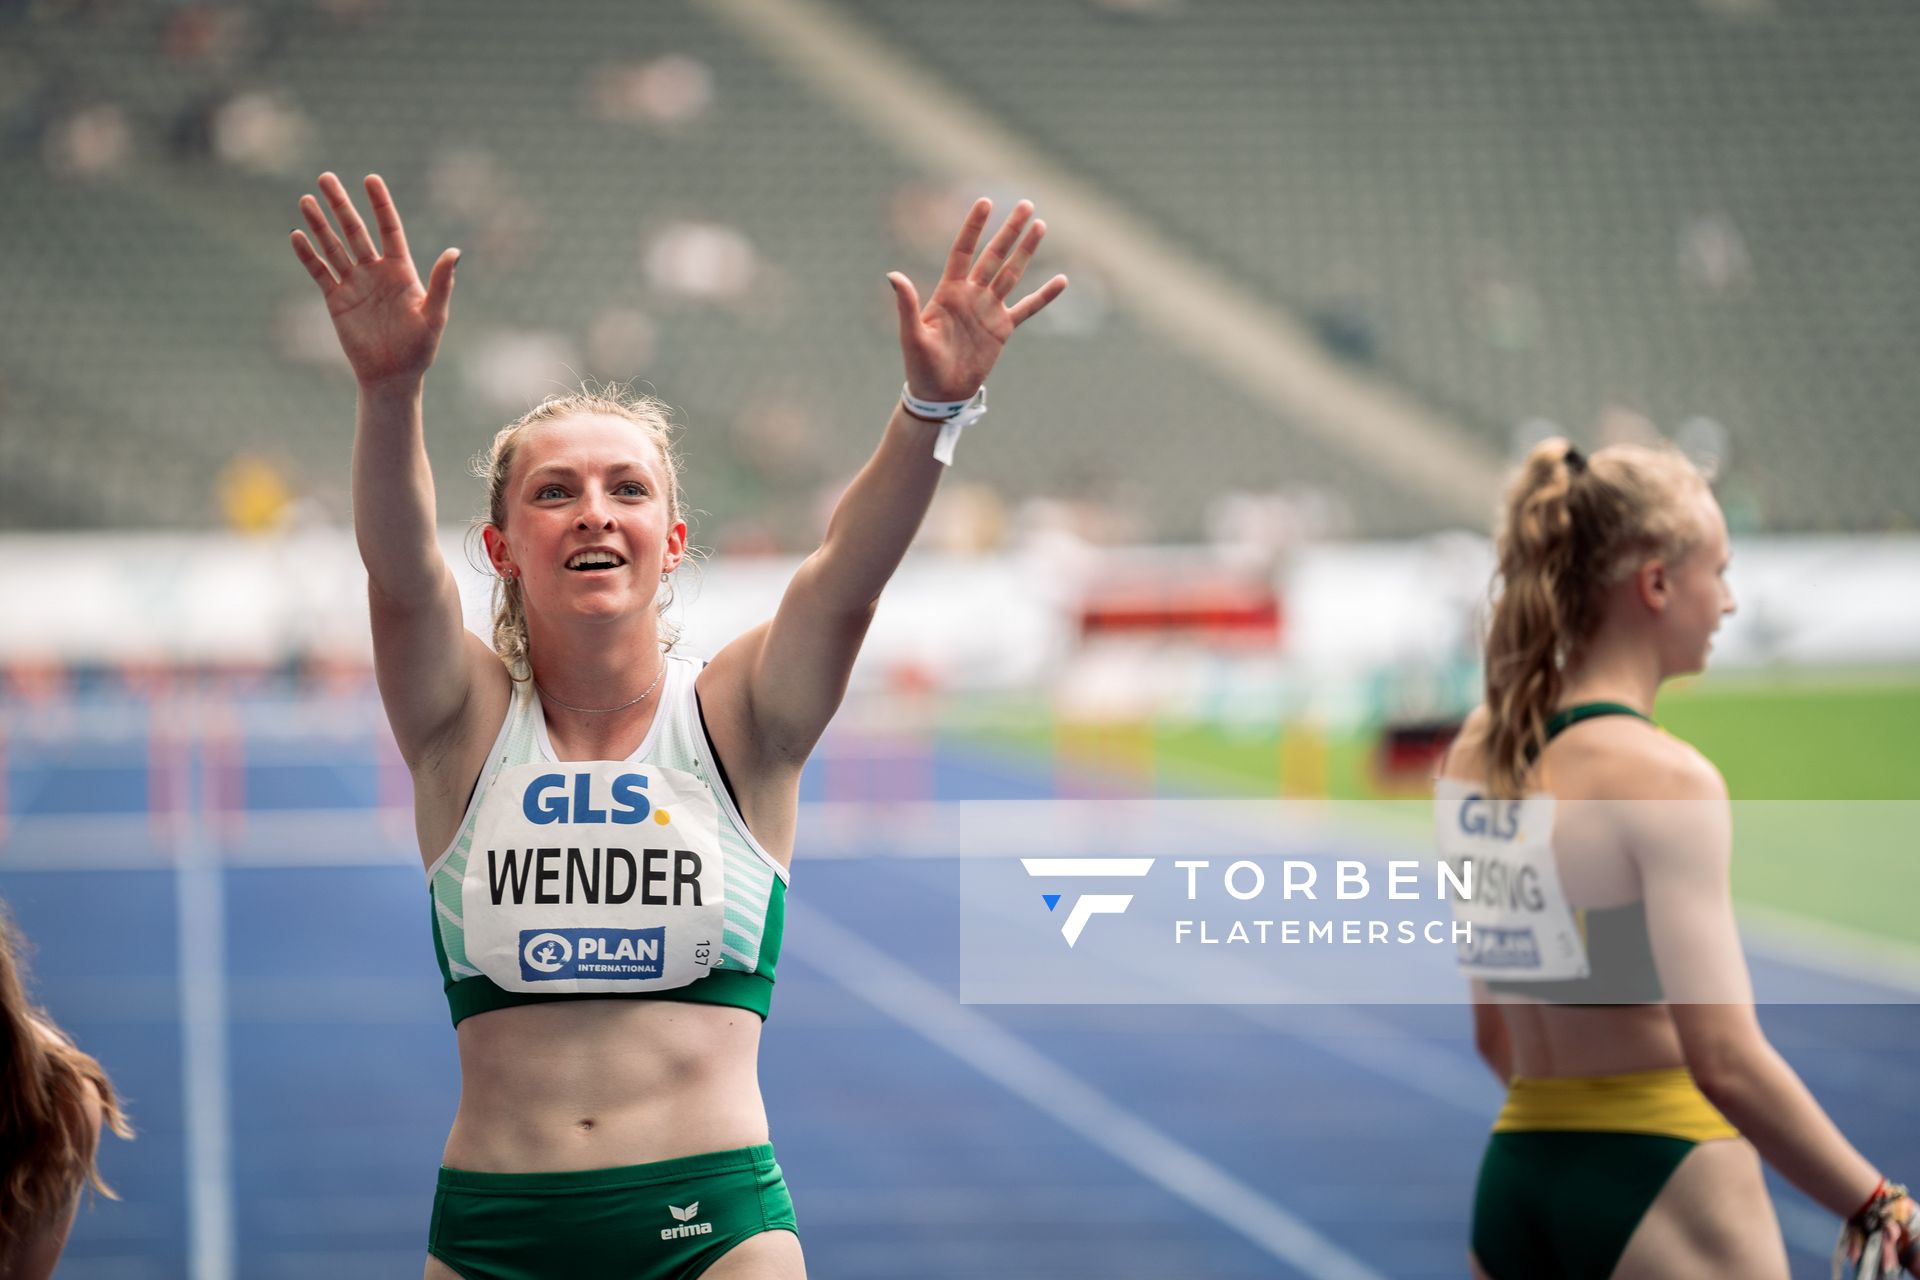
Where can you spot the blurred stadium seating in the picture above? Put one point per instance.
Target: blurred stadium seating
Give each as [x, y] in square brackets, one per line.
[1528, 211]
[1581, 213]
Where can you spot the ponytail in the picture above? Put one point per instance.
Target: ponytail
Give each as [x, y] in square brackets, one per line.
[1572, 526]
[1538, 568]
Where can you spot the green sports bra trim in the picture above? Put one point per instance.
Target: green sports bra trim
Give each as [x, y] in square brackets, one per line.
[1618, 945]
[750, 991]
[1567, 717]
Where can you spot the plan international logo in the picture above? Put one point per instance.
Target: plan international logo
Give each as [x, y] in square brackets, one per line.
[548, 955]
[1088, 905]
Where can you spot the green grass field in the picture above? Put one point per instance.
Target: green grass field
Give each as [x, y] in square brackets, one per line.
[1824, 770]
[1824, 778]
[1806, 738]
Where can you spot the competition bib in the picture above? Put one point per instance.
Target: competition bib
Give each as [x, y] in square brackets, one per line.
[1523, 929]
[595, 876]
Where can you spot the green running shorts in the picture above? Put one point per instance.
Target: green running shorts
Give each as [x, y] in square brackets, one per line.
[670, 1220]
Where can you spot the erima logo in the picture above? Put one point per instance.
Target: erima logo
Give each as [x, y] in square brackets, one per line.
[686, 1227]
[1087, 905]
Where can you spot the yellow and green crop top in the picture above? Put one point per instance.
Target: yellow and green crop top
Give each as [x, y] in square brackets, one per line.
[596, 879]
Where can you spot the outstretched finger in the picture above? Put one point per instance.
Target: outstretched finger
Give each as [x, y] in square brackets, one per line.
[324, 238]
[960, 257]
[349, 217]
[1008, 276]
[906, 301]
[303, 250]
[1002, 243]
[393, 238]
[1031, 305]
[440, 289]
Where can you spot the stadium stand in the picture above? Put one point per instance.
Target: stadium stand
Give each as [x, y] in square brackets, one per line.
[1582, 213]
[1523, 210]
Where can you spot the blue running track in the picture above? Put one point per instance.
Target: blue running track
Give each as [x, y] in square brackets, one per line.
[922, 1138]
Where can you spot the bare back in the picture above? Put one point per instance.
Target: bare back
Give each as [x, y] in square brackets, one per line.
[1597, 862]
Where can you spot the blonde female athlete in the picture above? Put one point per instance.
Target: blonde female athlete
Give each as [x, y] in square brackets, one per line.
[53, 1100]
[607, 824]
[1610, 990]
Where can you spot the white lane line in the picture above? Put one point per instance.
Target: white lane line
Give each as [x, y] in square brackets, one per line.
[200, 924]
[1831, 949]
[937, 1017]
[1437, 1072]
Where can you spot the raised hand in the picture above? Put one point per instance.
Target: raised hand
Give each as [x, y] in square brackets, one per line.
[1879, 1240]
[951, 344]
[388, 324]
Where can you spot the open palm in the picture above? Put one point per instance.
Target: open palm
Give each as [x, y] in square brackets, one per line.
[388, 323]
[951, 343]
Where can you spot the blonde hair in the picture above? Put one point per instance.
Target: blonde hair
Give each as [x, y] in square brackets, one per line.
[48, 1145]
[1571, 527]
[494, 465]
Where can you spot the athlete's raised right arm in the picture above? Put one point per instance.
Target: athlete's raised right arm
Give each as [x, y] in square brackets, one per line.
[389, 326]
[1684, 842]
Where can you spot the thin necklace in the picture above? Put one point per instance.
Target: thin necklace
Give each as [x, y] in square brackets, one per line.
[601, 711]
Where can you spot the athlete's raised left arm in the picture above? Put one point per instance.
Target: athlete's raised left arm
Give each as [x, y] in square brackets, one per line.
[787, 676]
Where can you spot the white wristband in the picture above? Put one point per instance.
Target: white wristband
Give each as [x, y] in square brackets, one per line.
[954, 416]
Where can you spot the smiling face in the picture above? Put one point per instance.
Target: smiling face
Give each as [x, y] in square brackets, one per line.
[1696, 595]
[587, 519]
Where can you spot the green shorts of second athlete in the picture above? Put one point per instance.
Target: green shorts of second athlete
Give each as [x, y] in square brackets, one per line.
[1562, 1206]
[1574, 1164]
[670, 1220]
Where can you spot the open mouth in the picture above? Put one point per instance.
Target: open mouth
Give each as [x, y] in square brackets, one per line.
[594, 562]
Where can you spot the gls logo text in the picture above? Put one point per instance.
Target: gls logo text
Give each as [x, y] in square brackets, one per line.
[1088, 905]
